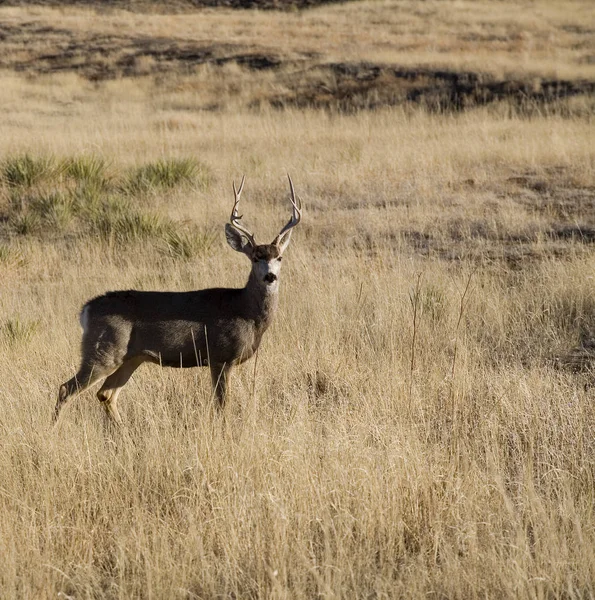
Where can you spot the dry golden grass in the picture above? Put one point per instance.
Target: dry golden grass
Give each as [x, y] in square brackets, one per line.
[544, 39]
[405, 432]
[549, 37]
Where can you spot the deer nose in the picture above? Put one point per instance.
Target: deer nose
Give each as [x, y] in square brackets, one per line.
[270, 277]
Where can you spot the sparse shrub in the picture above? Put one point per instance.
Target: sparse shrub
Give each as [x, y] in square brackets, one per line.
[166, 174]
[25, 170]
[16, 331]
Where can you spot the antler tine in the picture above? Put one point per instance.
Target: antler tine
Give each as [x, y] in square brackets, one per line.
[296, 214]
[238, 192]
[235, 218]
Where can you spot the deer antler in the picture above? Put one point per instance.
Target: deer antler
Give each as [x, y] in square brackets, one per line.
[235, 218]
[296, 214]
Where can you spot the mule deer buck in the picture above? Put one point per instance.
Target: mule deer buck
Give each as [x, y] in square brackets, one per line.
[218, 327]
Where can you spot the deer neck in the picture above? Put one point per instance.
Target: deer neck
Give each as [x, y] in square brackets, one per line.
[260, 301]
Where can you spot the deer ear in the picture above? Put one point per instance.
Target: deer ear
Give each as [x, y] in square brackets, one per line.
[283, 241]
[237, 240]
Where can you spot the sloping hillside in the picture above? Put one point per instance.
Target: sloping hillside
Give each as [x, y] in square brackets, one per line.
[346, 57]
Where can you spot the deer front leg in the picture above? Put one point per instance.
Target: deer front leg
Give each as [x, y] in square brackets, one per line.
[220, 377]
[89, 374]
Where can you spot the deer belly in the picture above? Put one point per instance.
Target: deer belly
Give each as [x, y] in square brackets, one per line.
[182, 361]
[184, 346]
[172, 345]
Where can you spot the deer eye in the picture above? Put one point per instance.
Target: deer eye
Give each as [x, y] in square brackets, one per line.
[279, 257]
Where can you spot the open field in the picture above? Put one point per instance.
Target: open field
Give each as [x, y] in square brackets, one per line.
[420, 420]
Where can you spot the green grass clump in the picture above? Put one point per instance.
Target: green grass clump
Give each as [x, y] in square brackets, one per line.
[17, 331]
[116, 220]
[77, 195]
[89, 195]
[166, 174]
[18, 201]
[26, 171]
[55, 209]
[139, 226]
[185, 245]
[86, 169]
[26, 224]
[11, 257]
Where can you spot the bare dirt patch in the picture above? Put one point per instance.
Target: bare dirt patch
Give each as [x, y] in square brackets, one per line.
[556, 198]
[555, 220]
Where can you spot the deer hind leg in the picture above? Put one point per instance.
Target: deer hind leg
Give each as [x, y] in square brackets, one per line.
[110, 390]
[220, 379]
[88, 375]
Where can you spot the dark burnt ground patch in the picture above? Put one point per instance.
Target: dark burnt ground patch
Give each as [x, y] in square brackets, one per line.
[300, 79]
[35, 49]
[172, 6]
[356, 86]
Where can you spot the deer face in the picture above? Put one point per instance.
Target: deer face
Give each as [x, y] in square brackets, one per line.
[266, 264]
[266, 258]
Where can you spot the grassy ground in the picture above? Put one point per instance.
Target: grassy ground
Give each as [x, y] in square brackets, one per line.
[419, 421]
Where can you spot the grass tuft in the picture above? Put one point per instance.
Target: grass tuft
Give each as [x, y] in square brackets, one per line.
[11, 257]
[26, 224]
[26, 170]
[186, 245]
[93, 206]
[55, 209]
[167, 174]
[139, 227]
[19, 331]
[117, 221]
[85, 169]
